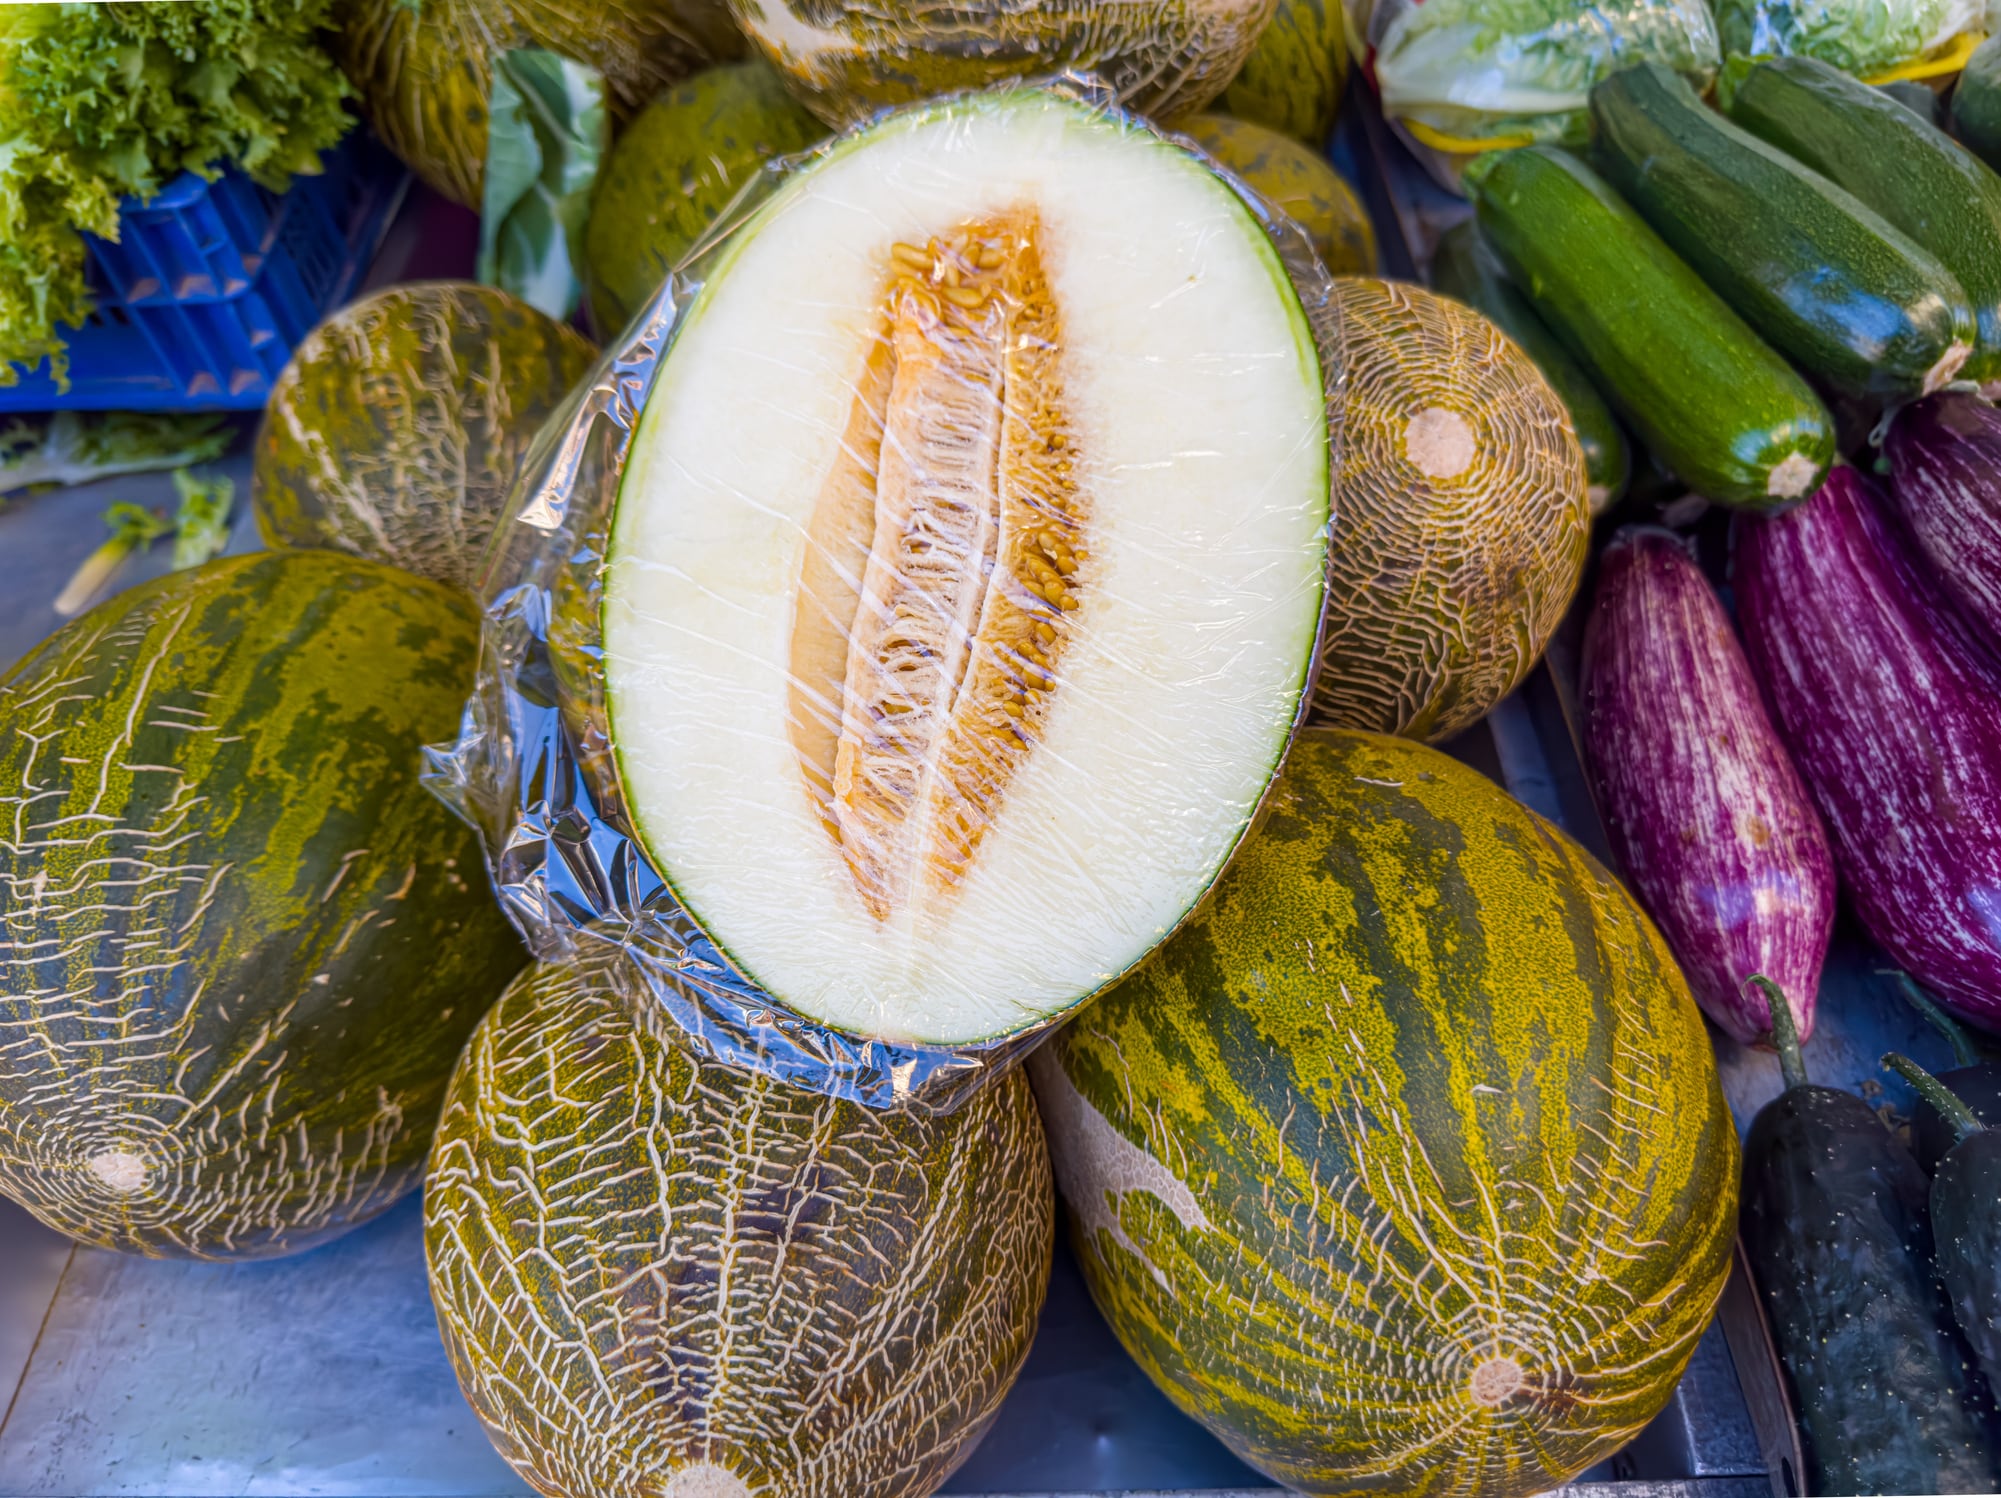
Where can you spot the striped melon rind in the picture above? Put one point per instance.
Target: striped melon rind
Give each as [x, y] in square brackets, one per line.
[240, 945]
[850, 58]
[1294, 78]
[395, 431]
[1465, 517]
[659, 1275]
[1405, 1167]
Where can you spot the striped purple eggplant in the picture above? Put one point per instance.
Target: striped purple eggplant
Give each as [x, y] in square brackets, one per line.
[1892, 711]
[1704, 810]
[1945, 469]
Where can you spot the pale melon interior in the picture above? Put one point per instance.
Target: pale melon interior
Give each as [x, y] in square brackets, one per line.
[966, 568]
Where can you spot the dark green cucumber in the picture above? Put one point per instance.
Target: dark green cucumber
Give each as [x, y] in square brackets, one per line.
[1834, 1227]
[1975, 1080]
[1712, 401]
[1976, 103]
[1830, 283]
[1915, 175]
[1966, 1219]
[1467, 268]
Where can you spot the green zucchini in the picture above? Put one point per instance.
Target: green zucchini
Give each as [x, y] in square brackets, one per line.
[1830, 283]
[1913, 174]
[1834, 1227]
[1716, 406]
[1465, 267]
[1966, 1218]
[1976, 103]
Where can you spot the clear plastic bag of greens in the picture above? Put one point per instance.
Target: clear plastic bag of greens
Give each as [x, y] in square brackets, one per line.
[904, 623]
[1879, 41]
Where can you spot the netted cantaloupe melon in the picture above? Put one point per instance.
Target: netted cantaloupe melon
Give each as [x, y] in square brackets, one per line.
[674, 170]
[424, 67]
[965, 567]
[1293, 80]
[395, 431]
[659, 1275]
[1465, 513]
[849, 58]
[1297, 182]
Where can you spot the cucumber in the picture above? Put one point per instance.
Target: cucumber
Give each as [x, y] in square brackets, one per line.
[1913, 174]
[1465, 267]
[1829, 283]
[1976, 103]
[1716, 406]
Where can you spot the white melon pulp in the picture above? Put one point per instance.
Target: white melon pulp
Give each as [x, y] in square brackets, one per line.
[966, 567]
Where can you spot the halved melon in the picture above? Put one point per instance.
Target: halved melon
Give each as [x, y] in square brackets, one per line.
[962, 584]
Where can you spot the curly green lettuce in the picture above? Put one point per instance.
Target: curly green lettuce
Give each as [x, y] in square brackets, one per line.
[100, 101]
[1863, 37]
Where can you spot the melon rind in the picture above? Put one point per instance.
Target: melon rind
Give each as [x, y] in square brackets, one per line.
[659, 1274]
[1297, 182]
[1294, 78]
[1405, 1167]
[925, 990]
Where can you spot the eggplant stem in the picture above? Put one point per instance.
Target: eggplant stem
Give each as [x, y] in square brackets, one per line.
[1964, 1051]
[1935, 1092]
[1785, 1034]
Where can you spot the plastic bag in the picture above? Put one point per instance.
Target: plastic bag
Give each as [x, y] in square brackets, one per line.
[1879, 41]
[540, 768]
[1465, 76]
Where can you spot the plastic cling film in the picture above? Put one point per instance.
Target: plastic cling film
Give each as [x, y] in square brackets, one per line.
[902, 627]
[1879, 41]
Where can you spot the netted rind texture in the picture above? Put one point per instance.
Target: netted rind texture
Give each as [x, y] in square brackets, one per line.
[424, 70]
[846, 59]
[1465, 517]
[396, 430]
[1405, 1169]
[241, 947]
[660, 1275]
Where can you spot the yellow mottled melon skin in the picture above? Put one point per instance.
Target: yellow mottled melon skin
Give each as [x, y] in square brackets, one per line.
[659, 1275]
[1294, 78]
[1404, 1168]
[847, 59]
[1297, 182]
[1465, 515]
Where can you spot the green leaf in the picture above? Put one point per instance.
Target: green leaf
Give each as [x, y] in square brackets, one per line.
[201, 526]
[547, 132]
[77, 447]
[132, 530]
[1864, 37]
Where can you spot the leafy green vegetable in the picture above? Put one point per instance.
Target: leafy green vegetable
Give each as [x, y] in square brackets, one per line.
[1515, 71]
[76, 447]
[132, 530]
[1863, 37]
[547, 132]
[201, 526]
[98, 101]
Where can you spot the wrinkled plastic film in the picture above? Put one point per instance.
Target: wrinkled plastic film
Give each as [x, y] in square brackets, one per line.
[933, 632]
[1879, 41]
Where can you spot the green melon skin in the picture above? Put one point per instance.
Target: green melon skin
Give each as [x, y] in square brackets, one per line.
[847, 59]
[1294, 78]
[395, 431]
[243, 945]
[1298, 182]
[672, 174]
[424, 68]
[1404, 1168]
[657, 1274]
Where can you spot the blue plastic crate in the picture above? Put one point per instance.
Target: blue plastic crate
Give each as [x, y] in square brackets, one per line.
[212, 284]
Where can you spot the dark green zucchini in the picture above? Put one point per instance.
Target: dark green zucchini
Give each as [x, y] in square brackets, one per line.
[1834, 1227]
[1917, 98]
[1830, 283]
[1976, 103]
[1966, 1219]
[1914, 174]
[1467, 268]
[1975, 1079]
[1718, 407]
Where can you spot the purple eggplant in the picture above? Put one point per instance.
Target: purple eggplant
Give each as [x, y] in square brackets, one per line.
[1704, 810]
[1892, 710]
[1945, 470]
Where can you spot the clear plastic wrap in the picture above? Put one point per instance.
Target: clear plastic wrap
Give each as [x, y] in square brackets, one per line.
[923, 589]
[1879, 41]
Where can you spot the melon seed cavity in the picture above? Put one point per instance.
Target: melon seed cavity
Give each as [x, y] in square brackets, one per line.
[944, 565]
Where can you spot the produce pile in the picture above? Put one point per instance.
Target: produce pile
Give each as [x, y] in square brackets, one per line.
[939, 697]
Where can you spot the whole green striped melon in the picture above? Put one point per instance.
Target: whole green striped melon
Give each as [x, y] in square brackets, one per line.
[1404, 1168]
[396, 428]
[242, 945]
[659, 1275]
[1293, 80]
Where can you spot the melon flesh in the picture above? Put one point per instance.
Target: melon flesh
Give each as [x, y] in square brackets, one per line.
[965, 570]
